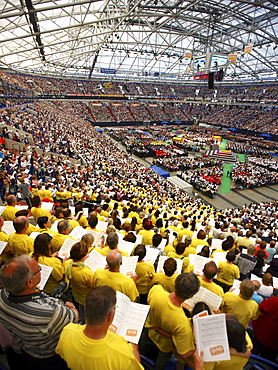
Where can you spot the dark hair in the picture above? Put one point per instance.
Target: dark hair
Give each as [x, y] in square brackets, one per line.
[41, 246]
[261, 254]
[157, 238]
[226, 245]
[99, 303]
[180, 248]
[201, 234]
[42, 221]
[159, 222]
[199, 307]
[206, 251]
[210, 270]
[186, 285]
[130, 237]
[35, 201]
[230, 256]
[93, 220]
[148, 225]
[140, 251]
[236, 334]
[170, 266]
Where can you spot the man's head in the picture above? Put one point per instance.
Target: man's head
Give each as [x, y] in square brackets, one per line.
[114, 260]
[66, 212]
[256, 284]
[20, 273]
[170, 266]
[11, 200]
[112, 240]
[226, 245]
[210, 270]
[267, 279]
[93, 220]
[20, 224]
[186, 285]
[246, 289]
[44, 222]
[100, 306]
[157, 238]
[63, 227]
[251, 250]
[36, 200]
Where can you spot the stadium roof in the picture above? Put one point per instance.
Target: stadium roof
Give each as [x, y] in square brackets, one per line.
[134, 38]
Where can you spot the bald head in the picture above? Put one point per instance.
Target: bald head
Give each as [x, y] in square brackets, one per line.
[11, 200]
[256, 284]
[114, 260]
[21, 224]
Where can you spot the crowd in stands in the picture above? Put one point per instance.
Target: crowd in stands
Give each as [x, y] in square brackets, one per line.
[184, 164]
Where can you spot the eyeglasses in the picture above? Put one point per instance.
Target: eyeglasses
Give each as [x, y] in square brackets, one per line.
[35, 273]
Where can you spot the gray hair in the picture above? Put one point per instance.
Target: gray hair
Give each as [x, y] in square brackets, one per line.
[112, 240]
[114, 259]
[15, 273]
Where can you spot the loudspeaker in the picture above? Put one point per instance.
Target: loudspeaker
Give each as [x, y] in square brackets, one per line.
[211, 80]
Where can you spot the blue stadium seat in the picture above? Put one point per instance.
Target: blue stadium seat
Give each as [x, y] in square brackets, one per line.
[259, 363]
[146, 363]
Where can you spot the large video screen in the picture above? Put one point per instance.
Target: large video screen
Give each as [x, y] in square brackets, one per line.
[200, 63]
[218, 61]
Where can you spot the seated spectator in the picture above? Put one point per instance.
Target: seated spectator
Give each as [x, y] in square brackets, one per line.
[209, 271]
[227, 272]
[19, 242]
[144, 271]
[266, 288]
[9, 212]
[260, 256]
[93, 343]
[246, 262]
[59, 238]
[37, 211]
[147, 233]
[271, 250]
[168, 278]
[200, 240]
[256, 297]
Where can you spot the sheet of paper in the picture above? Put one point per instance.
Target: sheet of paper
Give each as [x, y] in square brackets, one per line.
[95, 261]
[34, 234]
[199, 263]
[139, 239]
[126, 246]
[211, 337]
[122, 306]
[275, 282]
[203, 295]
[64, 251]
[151, 255]
[97, 235]
[45, 273]
[200, 247]
[1, 209]
[161, 261]
[47, 205]
[2, 246]
[216, 243]
[101, 225]
[236, 286]
[219, 256]
[128, 265]
[55, 225]
[8, 227]
[77, 233]
[20, 208]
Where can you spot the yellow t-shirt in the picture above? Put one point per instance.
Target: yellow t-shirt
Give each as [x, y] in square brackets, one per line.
[164, 314]
[83, 221]
[167, 282]
[214, 288]
[57, 273]
[7, 253]
[145, 272]
[147, 236]
[20, 244]
[58, 240]
[196, 242]
[227, 273]
[109, 353]
[183, 232]
[39, 212]
[9, 213]
[104, 251]
[117, 281]
[244, 310]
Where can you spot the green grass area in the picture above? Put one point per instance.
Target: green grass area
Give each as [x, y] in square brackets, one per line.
[226, 181]
[241, 157]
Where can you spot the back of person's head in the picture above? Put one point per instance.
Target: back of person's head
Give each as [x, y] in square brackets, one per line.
[186, 285]
[157, 238]
[110, 229]
[230, 240]
[130, 237]
[11, 200]
[63, 226]
[170, 266]
[35, 201]
[114, 259]
[15, 273]
[200, 307]
[88, 239]
[41, 246]
[42, 221]
[236, 334]
[93, 220]
[230, 256]
[112, 240]
[251, 250]
[201, 235]
[126, 227]
[99, 303]
[66, 212]
[256, 284]
[185, 224]
[205, 251]
[159, 223]
[140, 251]
[246, 289]
[78, 251]
[226, 245]
[22, 212]
[58, 213]
[210, 270]
[20, 223]
[187, 240]
[261, 254]
[267, 279]
[262, 244]
[249, 234]
[180, 248]
[148, 225]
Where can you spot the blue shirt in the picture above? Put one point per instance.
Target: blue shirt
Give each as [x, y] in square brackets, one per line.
[257, 298]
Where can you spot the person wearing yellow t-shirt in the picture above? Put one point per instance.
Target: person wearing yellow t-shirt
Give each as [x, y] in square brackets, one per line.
[113, 278]
[209, 271]
[67, 216]
[36, 210]
[147, 233]
[59, 238]
[112, 242]
[7, 253]
[184, 231]
[79, 217]
[227, 272]
[44, 224]
[144, 271]
[9, 212]
[167, 314]
[93, 345]
[19, 242]
[241, 305]
[200, 240]
[168, 278]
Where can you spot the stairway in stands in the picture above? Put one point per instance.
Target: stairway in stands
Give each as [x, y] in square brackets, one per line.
[222, 155]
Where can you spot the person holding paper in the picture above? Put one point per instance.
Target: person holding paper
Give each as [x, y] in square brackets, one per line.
[200, 240]
[167, 314]
[145, 272]
[33, 318]
[7, 253]
[241, 305]
[44, 224]
[59, 238]
[168, 278]
[43, 255]
[94, 346]
[37, 210]
[113, 278]
[147, 233]
[79, 217]
[209, 271]
[227, 272]
[81, 277]
[112, 242]
[20, 242]
[9, 212]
